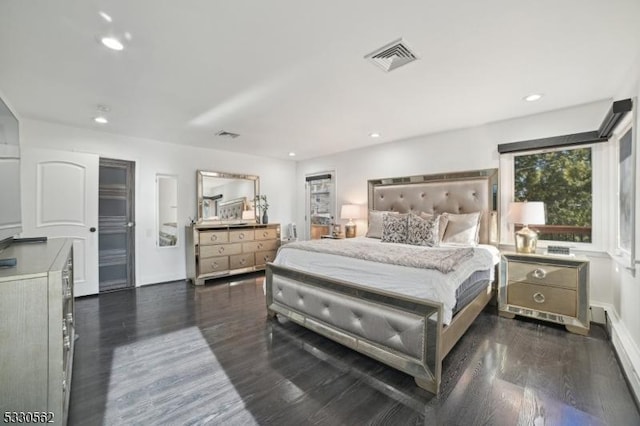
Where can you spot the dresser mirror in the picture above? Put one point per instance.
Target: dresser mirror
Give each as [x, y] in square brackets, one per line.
[167, 214]
[226, 197]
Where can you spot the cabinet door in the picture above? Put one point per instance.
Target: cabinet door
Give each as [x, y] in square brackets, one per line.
[24, 370]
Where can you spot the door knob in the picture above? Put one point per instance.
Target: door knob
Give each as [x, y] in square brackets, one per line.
[92, 229]
[130, 225]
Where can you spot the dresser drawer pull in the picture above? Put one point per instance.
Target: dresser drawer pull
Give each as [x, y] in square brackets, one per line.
[538, 297]
[214, 237]
[214, 265]
[220, 249]
[241, 236]
[243, 261]
[265, 234]
[260, 245]
[539, 273]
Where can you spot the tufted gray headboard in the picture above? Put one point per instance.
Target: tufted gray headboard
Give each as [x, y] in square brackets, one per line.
[232, 209]
[460, 192]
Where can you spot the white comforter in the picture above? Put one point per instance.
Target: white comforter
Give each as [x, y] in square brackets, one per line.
[428, 284]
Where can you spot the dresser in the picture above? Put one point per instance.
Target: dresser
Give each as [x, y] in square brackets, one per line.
[547, 287]
[37, 331]
[221, 250]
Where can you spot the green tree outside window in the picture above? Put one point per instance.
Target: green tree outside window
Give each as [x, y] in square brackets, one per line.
[563, 181]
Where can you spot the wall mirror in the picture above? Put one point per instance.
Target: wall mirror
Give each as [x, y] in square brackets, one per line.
[226, 197]
[167, 213]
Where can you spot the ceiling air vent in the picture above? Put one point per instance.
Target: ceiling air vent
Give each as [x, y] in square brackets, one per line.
[225, 134]
[392, 56]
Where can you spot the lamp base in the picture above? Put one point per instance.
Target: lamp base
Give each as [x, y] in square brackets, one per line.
[526, 240]
[350, 230]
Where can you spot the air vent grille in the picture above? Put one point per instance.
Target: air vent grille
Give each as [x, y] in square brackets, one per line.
[225, 134]
[392, 56]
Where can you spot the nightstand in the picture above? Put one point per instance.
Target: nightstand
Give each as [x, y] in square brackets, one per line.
[546, 287]
[333, 237]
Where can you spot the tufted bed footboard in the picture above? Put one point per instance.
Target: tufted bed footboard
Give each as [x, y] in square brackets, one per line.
[403, 332]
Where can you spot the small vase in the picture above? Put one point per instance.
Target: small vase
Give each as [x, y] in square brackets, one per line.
[265, 218]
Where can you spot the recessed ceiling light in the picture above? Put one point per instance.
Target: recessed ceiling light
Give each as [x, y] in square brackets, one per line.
[533, 97]
[112, 43]
[292, 154]
[374, 135]
[105, 16]
[100, 119]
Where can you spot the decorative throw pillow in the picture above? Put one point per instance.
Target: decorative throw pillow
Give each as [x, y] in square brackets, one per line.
[394, 228]
[423, 232]
[462, 229]
[375, 223]
[442, 225]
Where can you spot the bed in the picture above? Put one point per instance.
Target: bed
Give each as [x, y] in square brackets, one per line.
[374, 308]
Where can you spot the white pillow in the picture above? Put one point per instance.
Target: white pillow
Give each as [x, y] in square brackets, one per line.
[375, 223]
[462, 228]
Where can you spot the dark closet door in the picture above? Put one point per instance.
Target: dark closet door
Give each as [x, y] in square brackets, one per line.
[116, 212]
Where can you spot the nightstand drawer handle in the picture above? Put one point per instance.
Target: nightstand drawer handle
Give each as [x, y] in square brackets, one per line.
[539, 273]
[538, 297]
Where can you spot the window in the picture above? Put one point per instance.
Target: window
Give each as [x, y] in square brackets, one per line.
[562, 179]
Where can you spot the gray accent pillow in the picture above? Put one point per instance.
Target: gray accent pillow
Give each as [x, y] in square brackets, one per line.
[423, 232]
[442, 225]
[394, 228]
[463, 229]
[375, 223]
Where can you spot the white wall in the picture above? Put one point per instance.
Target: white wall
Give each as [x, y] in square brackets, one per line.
[625, 285]
[154, 264]
[458, 150]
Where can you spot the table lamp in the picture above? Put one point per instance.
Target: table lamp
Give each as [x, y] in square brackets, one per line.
[526, 213]
[350, 211]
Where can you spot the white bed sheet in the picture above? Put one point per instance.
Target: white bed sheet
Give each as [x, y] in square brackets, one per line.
[428, 284]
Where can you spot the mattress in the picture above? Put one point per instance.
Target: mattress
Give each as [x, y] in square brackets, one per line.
[428, 284]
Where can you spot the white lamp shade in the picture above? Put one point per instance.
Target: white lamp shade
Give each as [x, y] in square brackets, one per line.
[527, 213]
[350, 211]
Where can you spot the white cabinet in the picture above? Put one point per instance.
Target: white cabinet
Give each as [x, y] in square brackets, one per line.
[37, 329]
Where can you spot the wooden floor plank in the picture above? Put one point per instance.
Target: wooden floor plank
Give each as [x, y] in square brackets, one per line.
[176, 354]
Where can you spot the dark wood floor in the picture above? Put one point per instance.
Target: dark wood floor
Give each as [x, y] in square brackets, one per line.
[176, 354]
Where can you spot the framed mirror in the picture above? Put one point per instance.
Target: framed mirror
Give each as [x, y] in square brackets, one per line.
[167, 210]
[226, 197]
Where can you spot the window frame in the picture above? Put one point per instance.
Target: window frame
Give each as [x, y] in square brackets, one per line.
[625, 258]
[600, 153]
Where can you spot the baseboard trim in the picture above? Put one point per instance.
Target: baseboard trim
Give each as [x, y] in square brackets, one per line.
[626, 349]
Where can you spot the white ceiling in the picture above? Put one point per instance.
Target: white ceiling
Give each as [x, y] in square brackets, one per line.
[289, 75]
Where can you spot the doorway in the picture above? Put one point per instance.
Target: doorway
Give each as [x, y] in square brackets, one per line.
[321, 204]
[116, 213]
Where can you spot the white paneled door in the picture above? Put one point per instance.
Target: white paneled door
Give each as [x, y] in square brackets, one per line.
[60, 200]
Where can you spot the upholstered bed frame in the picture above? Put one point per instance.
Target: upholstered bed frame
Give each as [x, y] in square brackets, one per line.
[403, 332]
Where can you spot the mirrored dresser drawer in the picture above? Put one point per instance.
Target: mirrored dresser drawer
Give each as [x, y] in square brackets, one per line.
[546, 287]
